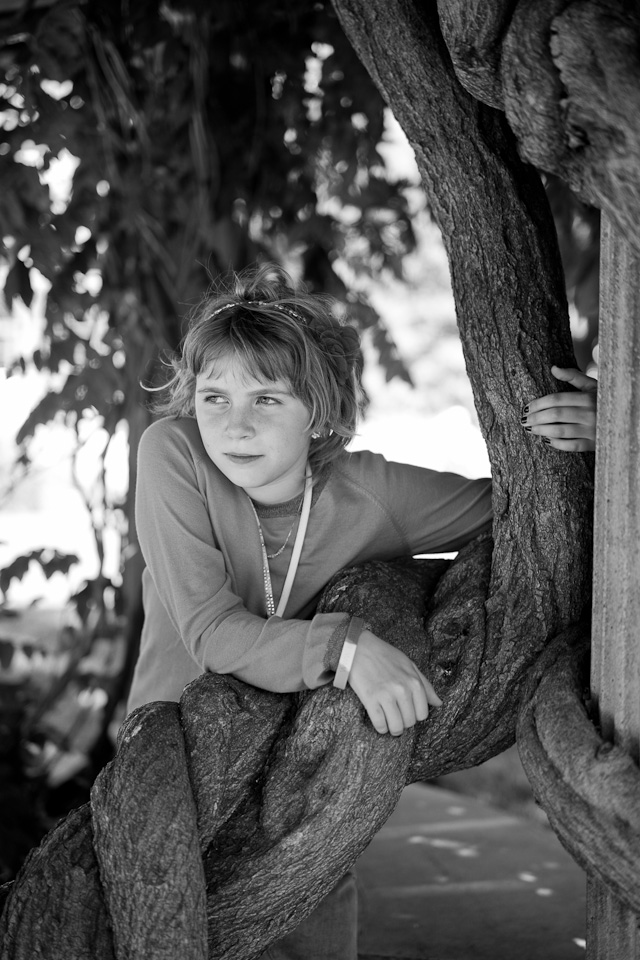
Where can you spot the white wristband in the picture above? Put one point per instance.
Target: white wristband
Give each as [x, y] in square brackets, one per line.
[349, 648]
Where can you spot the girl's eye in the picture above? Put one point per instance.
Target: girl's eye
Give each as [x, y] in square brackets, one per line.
[215, 398]
[268, 401]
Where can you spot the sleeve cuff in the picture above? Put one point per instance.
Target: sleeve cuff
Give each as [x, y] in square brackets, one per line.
[336, 642]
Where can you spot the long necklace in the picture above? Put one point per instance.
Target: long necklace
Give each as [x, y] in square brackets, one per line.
[295, 556]
[272, 556]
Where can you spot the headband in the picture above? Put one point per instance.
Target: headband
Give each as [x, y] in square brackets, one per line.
[288, 311]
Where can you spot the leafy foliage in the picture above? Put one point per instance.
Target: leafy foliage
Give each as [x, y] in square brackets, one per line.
[50, 562]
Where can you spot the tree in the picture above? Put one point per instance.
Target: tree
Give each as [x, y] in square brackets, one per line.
[488, 616]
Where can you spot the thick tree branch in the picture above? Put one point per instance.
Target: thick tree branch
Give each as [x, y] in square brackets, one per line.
[588, 787]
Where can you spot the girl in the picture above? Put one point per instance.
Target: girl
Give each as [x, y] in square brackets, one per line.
[247, 504]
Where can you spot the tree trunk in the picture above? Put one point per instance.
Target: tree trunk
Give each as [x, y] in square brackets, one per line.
[567, 73]
[509, 291]
[289, 790]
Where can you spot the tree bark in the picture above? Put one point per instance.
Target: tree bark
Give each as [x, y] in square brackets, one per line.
[473, 31]
[567, 73]
[588, 787]
[289, 790]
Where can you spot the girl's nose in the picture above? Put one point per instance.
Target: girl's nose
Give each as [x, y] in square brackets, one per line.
[239, 424]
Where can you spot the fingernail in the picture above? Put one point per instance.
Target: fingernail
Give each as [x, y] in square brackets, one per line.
[546, 440]
[525, 409]
[523, 419]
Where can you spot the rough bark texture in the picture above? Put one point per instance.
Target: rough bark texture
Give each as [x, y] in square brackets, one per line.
[588, 787]
[474, 31]
[56, 908]
[150, 837]
[289, 790]
[567, 73]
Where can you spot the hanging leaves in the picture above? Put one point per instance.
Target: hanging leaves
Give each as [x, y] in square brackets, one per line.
[49, 561]
[18, 284]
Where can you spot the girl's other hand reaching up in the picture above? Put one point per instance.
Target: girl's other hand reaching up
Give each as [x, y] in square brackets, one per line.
[566, 421]
[395, 694]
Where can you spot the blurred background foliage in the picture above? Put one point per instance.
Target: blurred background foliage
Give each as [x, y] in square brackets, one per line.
[195, 138]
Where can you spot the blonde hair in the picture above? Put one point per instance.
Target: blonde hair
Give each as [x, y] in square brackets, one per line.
[277, 332]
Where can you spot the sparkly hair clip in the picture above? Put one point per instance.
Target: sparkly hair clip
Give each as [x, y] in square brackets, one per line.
[287, 311]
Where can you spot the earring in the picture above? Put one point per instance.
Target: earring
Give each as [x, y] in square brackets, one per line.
[315, 436]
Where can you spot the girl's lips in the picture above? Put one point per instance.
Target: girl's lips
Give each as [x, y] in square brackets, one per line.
[242, 457]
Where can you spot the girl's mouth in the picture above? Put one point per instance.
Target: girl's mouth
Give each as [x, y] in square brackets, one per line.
[243, 457]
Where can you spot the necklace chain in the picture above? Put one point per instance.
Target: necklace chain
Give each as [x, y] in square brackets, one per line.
[266, 573]
[272, 556]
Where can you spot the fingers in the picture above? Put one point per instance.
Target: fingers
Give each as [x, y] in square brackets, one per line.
[397, 710]
[555, 401]
[571, 446]
[569, 429]
[565, 421]
[432, 696]
[575, 377]
[393, 691]
[584, 396]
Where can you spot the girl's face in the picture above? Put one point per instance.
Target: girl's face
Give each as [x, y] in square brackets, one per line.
[255, 431]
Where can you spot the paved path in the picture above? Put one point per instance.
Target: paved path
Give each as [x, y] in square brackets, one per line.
[450, 878]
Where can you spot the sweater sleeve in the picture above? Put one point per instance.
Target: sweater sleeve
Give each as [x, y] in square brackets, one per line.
[188, 571]
[433, 511]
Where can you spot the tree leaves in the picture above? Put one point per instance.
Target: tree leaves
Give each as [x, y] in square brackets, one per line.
[59, 42]
[18, 284]
[49, 561]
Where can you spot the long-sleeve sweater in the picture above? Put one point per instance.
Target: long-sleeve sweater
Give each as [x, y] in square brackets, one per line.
[203, 587]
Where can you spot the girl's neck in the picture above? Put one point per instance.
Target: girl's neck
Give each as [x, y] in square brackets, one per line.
[279, 493]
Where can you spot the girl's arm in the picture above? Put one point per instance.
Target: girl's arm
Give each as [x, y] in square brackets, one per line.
[209, 606]
[566, 421]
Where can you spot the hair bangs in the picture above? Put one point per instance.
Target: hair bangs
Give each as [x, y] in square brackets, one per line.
[263, 349]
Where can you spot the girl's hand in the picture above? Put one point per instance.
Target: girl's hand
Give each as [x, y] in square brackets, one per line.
[566, 421]
[389, 685]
